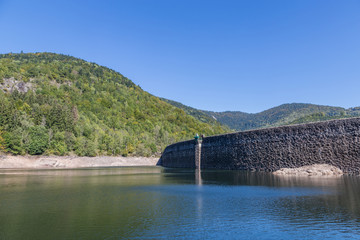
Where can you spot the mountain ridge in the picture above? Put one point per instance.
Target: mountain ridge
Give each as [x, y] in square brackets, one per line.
[284, 114]
[57, 104]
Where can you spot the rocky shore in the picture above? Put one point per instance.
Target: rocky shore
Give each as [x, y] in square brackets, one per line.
[311, 170]
[38, 162]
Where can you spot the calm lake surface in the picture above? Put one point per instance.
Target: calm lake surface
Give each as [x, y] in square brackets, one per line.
[158, 203]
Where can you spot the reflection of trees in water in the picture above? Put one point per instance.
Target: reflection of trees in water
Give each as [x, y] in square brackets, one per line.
[78, 204]
[134, 202]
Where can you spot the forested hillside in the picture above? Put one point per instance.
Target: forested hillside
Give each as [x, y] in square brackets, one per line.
[198, 114]
[57, 104]
[285, 114]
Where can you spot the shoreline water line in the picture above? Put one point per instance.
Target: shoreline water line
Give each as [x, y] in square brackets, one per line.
[46, 162]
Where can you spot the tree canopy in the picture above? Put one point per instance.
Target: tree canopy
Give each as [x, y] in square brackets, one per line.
[57, 104]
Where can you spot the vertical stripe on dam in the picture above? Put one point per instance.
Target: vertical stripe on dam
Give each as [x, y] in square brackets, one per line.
[198, 155]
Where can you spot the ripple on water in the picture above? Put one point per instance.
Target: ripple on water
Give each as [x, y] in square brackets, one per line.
[151, 203]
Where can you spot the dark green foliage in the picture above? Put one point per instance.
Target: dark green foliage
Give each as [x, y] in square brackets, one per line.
[58, 144]
[285, 114]
[198, 114]
[38, 140]
[85, 147]
[13, 142]
[86, 109]
[2, 141]
[282, 115]
[316, 117]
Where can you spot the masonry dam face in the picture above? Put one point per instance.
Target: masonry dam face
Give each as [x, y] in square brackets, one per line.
[335, 142]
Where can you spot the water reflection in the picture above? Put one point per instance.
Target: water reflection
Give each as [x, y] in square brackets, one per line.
[305, 202]
[199, 197]
[198, 179]
[158, 203]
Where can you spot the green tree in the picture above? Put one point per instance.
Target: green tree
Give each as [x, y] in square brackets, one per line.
[58, 145]
[2, 141]
[85, 147]
[39, 139]
[86, 108]
[14, 141]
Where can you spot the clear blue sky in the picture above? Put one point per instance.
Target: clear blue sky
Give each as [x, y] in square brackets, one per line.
[213, 55]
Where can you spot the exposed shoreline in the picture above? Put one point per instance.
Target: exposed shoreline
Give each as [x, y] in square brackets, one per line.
[59, 162]
[318, 170]
[48, 162]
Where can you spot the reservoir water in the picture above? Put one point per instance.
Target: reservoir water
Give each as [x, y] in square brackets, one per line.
[158, 203]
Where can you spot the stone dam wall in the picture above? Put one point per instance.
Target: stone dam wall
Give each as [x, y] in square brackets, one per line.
[179, 155]
[335, 142]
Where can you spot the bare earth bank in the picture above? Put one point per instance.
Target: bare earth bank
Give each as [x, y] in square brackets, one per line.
[311, 170]
[7, 161]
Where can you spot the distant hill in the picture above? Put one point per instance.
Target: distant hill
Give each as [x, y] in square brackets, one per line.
[321, 116]
[293, 113]
[198, 114]
[57, 104]
[277, 116]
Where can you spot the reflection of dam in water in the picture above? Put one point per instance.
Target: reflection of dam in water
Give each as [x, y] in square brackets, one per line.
[335, 142]
[198, 179]
[158, 203]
